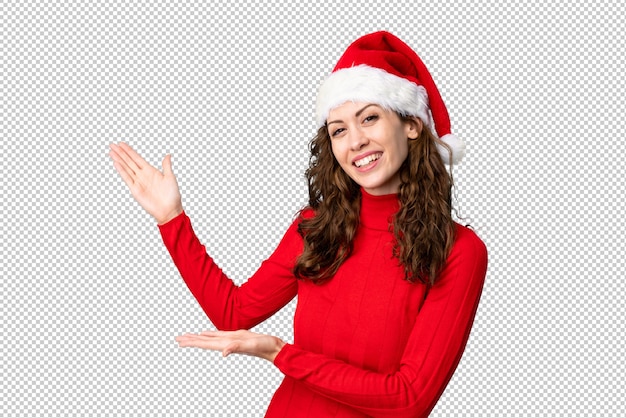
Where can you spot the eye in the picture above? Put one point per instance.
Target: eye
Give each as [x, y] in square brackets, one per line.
[337, 132]
[370, 118]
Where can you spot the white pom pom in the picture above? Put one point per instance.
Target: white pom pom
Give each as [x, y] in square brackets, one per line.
[456, 144]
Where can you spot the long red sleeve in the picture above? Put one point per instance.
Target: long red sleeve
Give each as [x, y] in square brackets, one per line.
[228, 306]
[430, 356]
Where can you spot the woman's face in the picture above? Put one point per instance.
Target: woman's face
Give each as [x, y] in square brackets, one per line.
[371, 144]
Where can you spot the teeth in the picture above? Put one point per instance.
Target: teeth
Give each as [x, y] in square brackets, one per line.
[367, 160]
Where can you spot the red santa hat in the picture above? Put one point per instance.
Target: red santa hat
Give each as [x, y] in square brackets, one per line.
[380, 68]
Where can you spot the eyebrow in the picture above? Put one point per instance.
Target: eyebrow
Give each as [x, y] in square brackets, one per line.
[357, 114]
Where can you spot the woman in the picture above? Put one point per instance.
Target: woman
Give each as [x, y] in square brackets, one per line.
[387, 283]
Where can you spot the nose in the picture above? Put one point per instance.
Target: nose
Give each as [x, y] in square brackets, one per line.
[358, 139]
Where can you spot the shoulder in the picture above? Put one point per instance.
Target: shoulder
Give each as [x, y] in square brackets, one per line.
[306, 213]
[469, 252]
[302, 215]
[467, 240]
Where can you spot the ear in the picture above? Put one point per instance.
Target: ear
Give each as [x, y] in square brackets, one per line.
[413, 127]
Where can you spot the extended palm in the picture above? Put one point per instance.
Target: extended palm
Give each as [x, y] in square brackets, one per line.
[156, 191]
[234, 342]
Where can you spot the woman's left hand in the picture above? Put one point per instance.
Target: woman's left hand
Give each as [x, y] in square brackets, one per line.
[238, 342]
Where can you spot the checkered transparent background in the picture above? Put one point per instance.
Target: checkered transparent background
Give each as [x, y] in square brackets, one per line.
[90, 301]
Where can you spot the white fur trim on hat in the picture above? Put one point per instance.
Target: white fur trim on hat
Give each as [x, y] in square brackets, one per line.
[457, 146]
[363, 83]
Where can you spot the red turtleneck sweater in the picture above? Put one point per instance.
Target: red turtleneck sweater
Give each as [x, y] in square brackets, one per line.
[366, 343]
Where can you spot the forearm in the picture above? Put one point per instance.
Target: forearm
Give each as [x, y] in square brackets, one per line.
[211, 288]
[232, 307]
[372, 393]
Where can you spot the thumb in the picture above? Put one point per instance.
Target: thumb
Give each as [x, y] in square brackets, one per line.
[167, 165]
[230, 348]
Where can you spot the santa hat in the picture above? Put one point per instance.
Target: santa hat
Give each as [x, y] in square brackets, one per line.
[380, 68]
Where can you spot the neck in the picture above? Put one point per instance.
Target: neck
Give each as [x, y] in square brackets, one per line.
[377, 211]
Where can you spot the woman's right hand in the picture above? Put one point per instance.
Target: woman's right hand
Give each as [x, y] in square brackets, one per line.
[157, 192]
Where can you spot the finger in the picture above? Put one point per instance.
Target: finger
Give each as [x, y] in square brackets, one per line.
[238, 333]
[231, 348]
[122, 169]
[126, 178]
[210, 333]
[190, 336]
[198, 341]
[220, 334]
[195, 337]
[117, 154]
[134, 160]
[190, 340]
[167, 165]
[182, 342]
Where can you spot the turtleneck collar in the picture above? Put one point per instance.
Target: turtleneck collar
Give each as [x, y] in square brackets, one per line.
[377, 211]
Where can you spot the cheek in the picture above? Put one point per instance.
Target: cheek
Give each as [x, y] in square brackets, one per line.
[402, 150]
[337, 151]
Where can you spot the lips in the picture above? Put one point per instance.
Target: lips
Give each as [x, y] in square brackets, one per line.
[368, 159]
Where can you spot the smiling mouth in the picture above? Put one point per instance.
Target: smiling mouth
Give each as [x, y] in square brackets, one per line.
[368, 160]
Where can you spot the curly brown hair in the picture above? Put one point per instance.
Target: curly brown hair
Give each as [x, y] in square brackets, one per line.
[423, 227]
